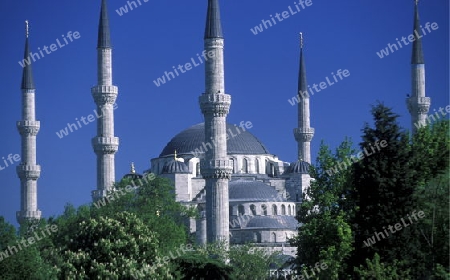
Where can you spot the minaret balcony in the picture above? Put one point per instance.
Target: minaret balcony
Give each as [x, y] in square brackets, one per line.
[215, 103]
[104, 94]
[304, 134]
[420, 105]
[23, 216]
[28, 127]
[32, 172]
[99, 194]
[105, 145]
[219, 169]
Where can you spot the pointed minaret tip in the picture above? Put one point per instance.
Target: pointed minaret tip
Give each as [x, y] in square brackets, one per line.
[302, 84]
[27, 74]
[417, 53]
[27, 30]
[104, 36]
[213, 23]
[301, 40]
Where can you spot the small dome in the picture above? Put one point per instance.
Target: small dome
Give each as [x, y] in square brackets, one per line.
[132, 175]
[273, 222]
[246, 190]
[299, 166]
[175, 166]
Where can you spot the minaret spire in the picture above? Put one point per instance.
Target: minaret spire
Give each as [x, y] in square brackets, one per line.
[28, 171]
[213, 27]
[417, 53]
[105, 94]
[27, 76]
[303, 133]
[104, 37]
[215, 105]
[418, 104]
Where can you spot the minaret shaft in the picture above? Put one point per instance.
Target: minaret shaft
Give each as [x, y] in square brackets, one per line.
[104, 66]
[28, 171]
[214, 67]
[215, 104]
[105, 143]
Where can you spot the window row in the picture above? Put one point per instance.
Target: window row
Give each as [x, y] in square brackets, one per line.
[264, 210]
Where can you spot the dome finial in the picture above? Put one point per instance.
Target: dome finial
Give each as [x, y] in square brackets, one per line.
[133, 170]
[417, 2]
[301, 40]
[27, 29]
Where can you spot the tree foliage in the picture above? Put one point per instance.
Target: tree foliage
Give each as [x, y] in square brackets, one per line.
[325, 235]
[344, 208]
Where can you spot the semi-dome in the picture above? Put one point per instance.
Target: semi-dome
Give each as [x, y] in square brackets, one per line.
[192, 141]
[299, 166]
[246, 190]
[273, 222]
[175, 166]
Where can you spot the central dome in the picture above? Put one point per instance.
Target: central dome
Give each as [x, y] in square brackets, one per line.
[192, 139]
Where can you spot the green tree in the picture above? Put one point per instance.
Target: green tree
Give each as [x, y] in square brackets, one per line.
[153, 201]
[325, 237]
[384, 188]
[117, 247]
[430, 151]
[375, 270]
[249, 262]
[434, 228]
[431, 155]
[24, 261]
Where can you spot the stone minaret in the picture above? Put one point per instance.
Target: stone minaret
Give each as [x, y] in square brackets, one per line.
[215, 104]
[105, 94]
[303, 133]
[418, 104]
[28, 171]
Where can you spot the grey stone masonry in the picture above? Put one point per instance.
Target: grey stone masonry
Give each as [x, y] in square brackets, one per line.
[28, 170]
[105, 144]
[216, 168]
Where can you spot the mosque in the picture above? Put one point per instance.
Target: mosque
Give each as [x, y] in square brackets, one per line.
[243, 192]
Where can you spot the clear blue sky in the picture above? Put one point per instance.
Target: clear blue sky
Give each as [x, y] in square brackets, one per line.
[261, 75]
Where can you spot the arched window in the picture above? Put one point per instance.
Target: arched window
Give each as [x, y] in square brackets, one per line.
[264, 209]
[274, 237]
[274, 210]
[197, 169]
[289, 210]
[257, 166]
[253, 209]
[241, 210]
[232, 163]
[257, 237]
[283, 210]
[245, 165]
